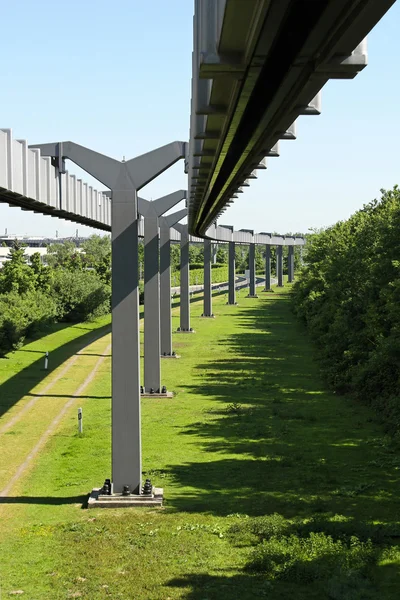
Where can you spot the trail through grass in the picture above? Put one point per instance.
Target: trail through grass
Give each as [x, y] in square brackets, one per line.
[273, 485]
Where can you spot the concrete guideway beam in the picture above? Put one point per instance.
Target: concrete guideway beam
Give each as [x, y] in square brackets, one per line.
[151, 211]
[237, 47]
[124, 179]
[165, 279]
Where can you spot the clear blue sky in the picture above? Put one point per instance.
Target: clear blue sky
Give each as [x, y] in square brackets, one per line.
[115, 76]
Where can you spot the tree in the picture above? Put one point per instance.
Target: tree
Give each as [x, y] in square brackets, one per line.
[42, 273]
[97, 256]
[222, 254]
[16, 275]
[175, 257]
[348, 295]
[65, 256]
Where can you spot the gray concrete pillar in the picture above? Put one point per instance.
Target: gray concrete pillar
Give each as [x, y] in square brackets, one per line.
[165, 280]
[152, 344]
[267, 268]
[165, 291]
[290, 264]
[125, 412]
[185, 296]
[252, 269]
[123, 179]
[231, 274]
[207, 310]
[279, 265]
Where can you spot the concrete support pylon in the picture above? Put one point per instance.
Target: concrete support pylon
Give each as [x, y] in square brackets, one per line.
[252, 269]
[124, 179]
[165, 280]
[184, 326]
[267, 268]
[279, 265]
[231, 273]
[290, 264]
[207, 305]
[151, 212]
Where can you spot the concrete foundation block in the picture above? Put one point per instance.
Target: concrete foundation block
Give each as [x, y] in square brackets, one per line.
[97, 500]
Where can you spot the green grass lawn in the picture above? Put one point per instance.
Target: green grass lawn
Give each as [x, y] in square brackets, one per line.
[273, 485]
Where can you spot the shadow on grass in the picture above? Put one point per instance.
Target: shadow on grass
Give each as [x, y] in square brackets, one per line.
[69, 396]
[22, 382]
[49, 500]
[222, 587]
[276, 440]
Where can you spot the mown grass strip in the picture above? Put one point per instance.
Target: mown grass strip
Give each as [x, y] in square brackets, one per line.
[251, 451]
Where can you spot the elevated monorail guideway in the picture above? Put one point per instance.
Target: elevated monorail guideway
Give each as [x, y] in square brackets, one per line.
[257, 66]
[34, 182]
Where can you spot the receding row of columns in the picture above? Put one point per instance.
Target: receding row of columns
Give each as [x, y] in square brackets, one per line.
[157, 286]
[124, 179]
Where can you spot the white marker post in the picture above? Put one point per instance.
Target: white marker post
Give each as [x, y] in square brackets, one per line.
[46, 361]
[80, 420]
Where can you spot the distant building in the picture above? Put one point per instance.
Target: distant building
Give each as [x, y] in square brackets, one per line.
[33, 243]
[5, 253]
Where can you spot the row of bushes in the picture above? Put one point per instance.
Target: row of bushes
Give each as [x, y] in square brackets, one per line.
[349, 297]
[34, 296]
[219, 274]
[74, 297]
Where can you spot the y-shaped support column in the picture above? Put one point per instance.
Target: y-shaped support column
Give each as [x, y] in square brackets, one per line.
[267, 268]
[207, 310]
[252, 269]
[151, 211]
[184, 326]
[165, 281]
[231, 274]
[290, 264]
[124, 179]
[279, 265]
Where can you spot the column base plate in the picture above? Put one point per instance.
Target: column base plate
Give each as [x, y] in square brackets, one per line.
[157, 395]
[97, 500]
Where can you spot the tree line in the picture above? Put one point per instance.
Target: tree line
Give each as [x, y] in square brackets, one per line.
[348, 295]
[73, 286]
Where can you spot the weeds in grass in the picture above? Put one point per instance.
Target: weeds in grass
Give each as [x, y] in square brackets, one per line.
[234, 408]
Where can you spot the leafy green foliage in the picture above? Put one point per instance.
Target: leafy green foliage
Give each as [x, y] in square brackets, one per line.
[73, 287]
[23, 315]
[304, 560]
[42, 273]
[219, 274]
[349, 297]
[80, 296]
[16, 275]
[64, 255]
[97, 256]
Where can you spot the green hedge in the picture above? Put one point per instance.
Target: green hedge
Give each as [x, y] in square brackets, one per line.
[196, 276]
[348, 295]
[24, 315]
[80, 295]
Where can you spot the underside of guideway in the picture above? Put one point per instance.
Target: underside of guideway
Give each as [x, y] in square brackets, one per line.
[257, 66]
